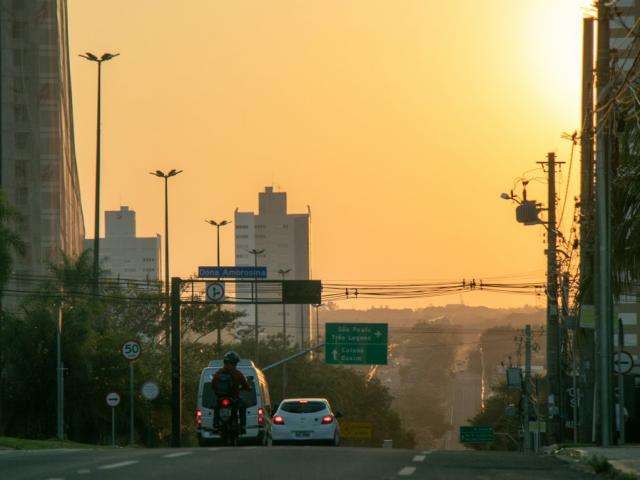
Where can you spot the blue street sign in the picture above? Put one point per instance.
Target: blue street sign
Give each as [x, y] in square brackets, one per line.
[232, 272]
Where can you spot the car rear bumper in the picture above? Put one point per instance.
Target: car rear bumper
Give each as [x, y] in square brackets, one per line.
[279, 434]
[251, 433]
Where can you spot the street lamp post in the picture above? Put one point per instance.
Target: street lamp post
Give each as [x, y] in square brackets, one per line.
[282, 273]
[219, 325]
[96, 240]
[318, 322]
[166, 176]
[256, 332]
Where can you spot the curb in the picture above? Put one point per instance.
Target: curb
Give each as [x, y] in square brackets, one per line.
[594, 463]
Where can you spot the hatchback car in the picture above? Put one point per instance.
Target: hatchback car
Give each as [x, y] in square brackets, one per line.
[305, 420]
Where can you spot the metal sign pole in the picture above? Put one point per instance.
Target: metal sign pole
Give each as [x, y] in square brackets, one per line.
[131, 395]
[113, 427]
[620, 410]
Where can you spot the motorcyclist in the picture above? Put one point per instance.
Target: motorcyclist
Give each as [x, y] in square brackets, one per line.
[228, 382]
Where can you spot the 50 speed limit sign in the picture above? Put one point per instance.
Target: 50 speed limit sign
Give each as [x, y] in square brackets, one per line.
[131, 350]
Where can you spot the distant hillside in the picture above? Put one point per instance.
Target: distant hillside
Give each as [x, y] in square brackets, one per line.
[457, 314]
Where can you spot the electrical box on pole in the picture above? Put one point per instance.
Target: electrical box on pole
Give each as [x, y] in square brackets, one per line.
[527, 213]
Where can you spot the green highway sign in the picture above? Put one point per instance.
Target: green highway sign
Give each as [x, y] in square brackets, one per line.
[356, 343]
[480, 434]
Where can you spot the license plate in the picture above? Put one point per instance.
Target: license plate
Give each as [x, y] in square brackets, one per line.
[302, 434]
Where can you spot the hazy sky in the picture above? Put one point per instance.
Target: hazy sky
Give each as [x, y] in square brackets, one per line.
[398, 121]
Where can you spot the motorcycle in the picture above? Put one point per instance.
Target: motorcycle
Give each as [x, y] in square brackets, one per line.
[229, 422]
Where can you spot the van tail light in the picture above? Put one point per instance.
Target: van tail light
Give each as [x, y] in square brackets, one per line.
[278, 420]
[198, 417]
[225, 403]
[327, 419]
[261, 416]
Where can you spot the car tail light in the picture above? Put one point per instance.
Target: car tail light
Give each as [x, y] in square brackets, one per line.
[198, 417]
[278, 420]
[260, 416]
[225, 403]
[327, 419]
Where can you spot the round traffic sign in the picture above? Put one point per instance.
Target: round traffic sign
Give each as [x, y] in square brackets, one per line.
[150, 390]
[131, 350]
[113, 399]
[215, 292]
[622, 362]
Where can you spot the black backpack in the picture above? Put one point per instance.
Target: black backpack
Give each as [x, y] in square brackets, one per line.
[224, 385]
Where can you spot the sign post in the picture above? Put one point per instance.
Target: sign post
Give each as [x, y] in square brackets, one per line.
[131, 351]
[113, 399]
[356, 343]
[149, 391]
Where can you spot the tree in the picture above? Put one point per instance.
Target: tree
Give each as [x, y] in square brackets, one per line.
[496, 415]
[11, 242]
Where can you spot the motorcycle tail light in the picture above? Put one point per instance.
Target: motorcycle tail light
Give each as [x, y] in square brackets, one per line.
[225, 403]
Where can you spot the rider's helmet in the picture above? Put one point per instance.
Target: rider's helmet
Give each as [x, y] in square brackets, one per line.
[231, 357]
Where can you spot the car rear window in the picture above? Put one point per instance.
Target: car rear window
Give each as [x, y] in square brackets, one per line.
[303, 407]
[249, 398]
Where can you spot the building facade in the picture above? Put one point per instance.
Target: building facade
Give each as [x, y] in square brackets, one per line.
[125, 256]
[284, 237]
[38, 172]
[624, 34]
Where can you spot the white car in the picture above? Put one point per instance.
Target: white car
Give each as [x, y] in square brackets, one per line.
[305, 420]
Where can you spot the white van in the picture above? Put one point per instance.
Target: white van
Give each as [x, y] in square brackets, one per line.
[257, 401]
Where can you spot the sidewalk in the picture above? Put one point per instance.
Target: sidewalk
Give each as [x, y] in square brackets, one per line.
[624, 459]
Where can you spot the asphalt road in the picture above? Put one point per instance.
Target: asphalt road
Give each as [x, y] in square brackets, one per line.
[290, 463]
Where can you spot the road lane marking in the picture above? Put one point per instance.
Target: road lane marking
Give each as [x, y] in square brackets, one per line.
[117, 465]
[419, 458]
[427, 452]
[177, 454]
[406, 471]
[84, 471]
[214, 449]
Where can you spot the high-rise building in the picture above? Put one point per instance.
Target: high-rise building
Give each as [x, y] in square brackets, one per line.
[37, 154]
[624, 34]
[284, 237]
[122, 254]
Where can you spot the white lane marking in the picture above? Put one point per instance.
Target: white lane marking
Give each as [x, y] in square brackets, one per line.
[177, 454]
[117, 465]
[406, 471]
[214, 449]
[84, 471]
[426, 452]
[419, 458]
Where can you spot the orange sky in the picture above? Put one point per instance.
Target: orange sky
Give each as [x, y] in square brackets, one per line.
[398, 121]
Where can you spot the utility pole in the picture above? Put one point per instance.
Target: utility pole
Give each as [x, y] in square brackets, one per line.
[527, 387]
[604, 303]
[620, 408]
[553, 337]
[585, 338]
[59, 376]
[574, 362]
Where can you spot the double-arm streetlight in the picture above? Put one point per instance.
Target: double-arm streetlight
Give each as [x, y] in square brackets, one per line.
[166, 177]
[96, 241]
[218, 225]
[219, 322]
[255, 254]
[282, 272]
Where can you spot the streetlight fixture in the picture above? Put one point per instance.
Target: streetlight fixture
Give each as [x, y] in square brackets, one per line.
[96, 241]
[166, 177]
[218, 225]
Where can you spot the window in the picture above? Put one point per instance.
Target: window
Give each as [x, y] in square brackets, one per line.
[18, 29]
[20, 112]
[22, 140]
[242, 236]
[303, 407]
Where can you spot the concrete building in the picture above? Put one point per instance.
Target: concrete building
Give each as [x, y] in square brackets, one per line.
[38, 170]
[122, 254]
[625, 34]
[284, 237]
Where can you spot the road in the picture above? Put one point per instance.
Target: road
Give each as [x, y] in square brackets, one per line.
[290, 463]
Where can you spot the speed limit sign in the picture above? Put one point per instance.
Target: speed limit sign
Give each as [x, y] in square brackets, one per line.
[131, 350]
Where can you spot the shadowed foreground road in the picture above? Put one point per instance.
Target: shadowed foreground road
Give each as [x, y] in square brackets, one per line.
[290, 463]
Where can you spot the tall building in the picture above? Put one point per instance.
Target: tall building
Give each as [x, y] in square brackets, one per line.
[38, 170]
[284, 237]
[625, 34]
[122, 254]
